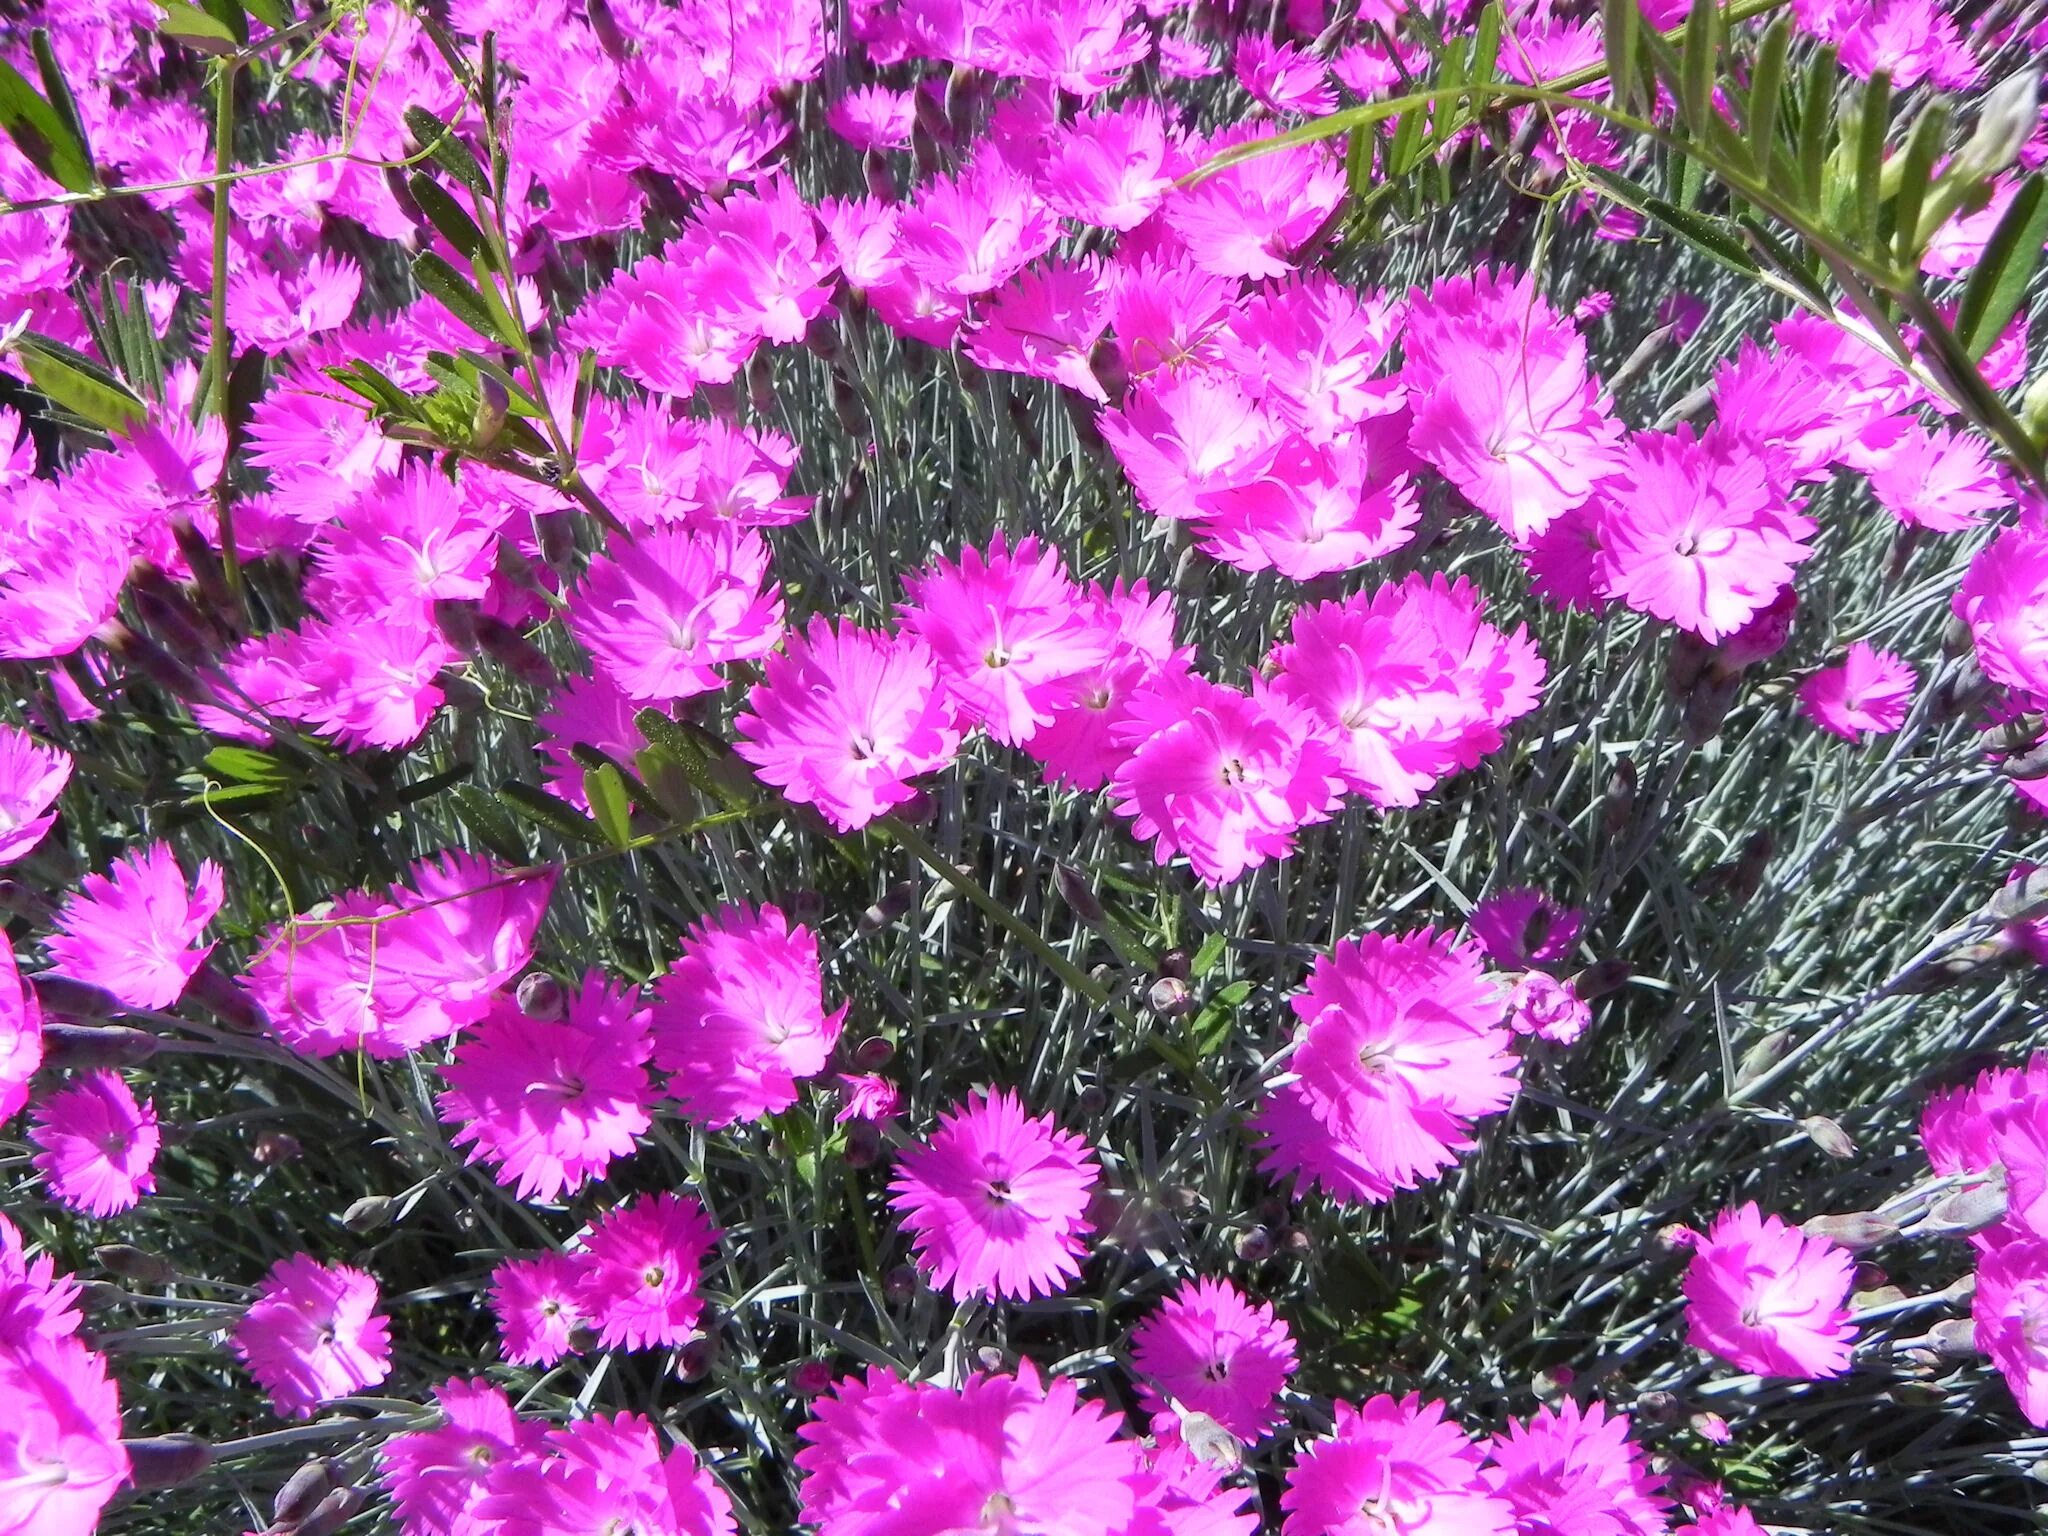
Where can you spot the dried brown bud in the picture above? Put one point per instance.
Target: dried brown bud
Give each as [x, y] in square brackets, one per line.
[135, 1264]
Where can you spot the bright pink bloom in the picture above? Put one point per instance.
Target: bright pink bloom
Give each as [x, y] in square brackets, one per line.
[1210, 1349]
[1867, 694]
[1109, 168]
[32, 775]
[865, 1096]
[2011, 1312]
[98, 1145]
[535, 1303]
[1008, 630]
[1319, 509]
[1045, 323]
[439, 1478]
[1940, 480]
[1078, 745]
[873, 117]
[882, 1455]
[739, 1021]
[765, 272]
[639, 1280]
[1520, 928]
[131, 931]
[2004, 600]
[1184, 437]
[1406, 683]
[667, 607]
[1769, 1299]
[1284, 78]
[588, 712]
[552, 1102]
[1251, 219]
[61, 1457]
[606, 1473]
[969, 233]
[1226, 778]
[1550, 1009]
[312, 1334]
[844, 718]
[996, 1203]
[1169, 316]
[408, 541]
[1317, 350]
[1400, 1047]
[277, 310]
[1693, 532]
[1569, 1471]
[21, 1035]
[1393, 1468]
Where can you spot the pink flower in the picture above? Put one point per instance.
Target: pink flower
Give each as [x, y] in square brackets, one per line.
[1939, 480]
[1574, 1472]
[996, 1203]
[1768, 1299]
[1108, 168]
[1317, 350]
[865, 1096]
[602, 1474]
[131, 931]
[739, 1021]
[1406, 683]
[2004, 599]
[1078, 745]
[1519, 928]
[1867, 694]
[967, 234]
[32, 775]
[1045, 323]
[439, 1478]
[639, 1279]
[21, 1035]
[1224, 777]
[588, 712]
[99, 1145]
[764, 271]
[1400, 1047]
[2011, 1312]
[1284, 78]
[553, 1102]
[312, 1334]
[844, 718]
[669, 606]
[1318, 509]
[1211, 1350]
[1693, 533]
[1169, 316]
[1251, 219]
[535, 1303]
[873, 117]
[1008, 630]
[883, 1455]
[1392, 1468]
[1550, 1009]
[61, 1457]
[407, 542]
[1183, 437]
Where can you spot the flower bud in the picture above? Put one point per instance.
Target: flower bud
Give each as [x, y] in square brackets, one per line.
[894, 903]
[1708, 705]
[1657, 1407]
[1711, 1427]
[1091, 1100]
[811, 1378]
[696, 1357]
[1855, 1231]
[542, 998]
[874, 1053]
[1762, 1056]
[863, 1144]
[1175, 963]
[1967, 1211]
[1168, 997]
[583, 1340]
[303, 1490]
[98, 1296]
[605, 28]
[273, 1149]
[62, 998]
[80, 1047]
[1075, 892]
[368, 1213]
[164, 1461]
[1618, 807]
[2006, 117]
[1601, 978]
[135, 1264]
[1954, 1337]
[331, 1513]
[493, 406]
[1208, 1441]
[900, 1284]
[804, 905]
[1829, 1137]
[223, 999]
[1255, 1246]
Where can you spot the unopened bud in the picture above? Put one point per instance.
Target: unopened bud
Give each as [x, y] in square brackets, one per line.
[493, 405]
[583, 1339]
[302, 1491]
[165, 1461]
[605, 28]
[1954, 1337]
[1762, 1056]
[1169, 997]
[1180, 1197]
[1075, 892]
[368, 1213]
[81, 1047]
[542, 998]
[1175, 963]
[1091, 1100]
[1829, 1137]
[863, 1144]
[2006, 117]
[1855, 1230]
[510, 649]
[1687, 663]
[1708, 705]
[227, 1002]
[1255, 1246]
[331, 1513]
[894, 903]
[1601, 978]
[62, 998]
[1618, 807]
[874, 1053]
[273, 1149]
[1967, 1211]
[1208, 1441]
[900, 1284]
[2020, 900]
[811, 1378]
[1711, 1427]
[1657, 1407]
[135, 1264]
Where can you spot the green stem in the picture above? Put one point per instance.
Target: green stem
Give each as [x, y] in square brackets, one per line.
[221, 343]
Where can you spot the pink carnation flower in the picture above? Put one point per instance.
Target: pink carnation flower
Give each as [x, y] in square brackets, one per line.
[1078, 745]
[588, 712]
[1008, 631]
[1045, 1458]
[2011, 1312]
[996, 1203]
[1283, 78]
[1694, 533]
[1108, 168]
[1519, 928]
[607, 1473]
[34, 1298]
[535, 1303]
[21, 1035]
[131, 931]
[873, 117]
[2004, 599]
[1226, 778]
[1768, 1299]
[1568, 1471]
[639, 1280]
[1045, 323]
[1547, 1008]
[844, 718]
[439, 1477]
[98, 1145]
[32, 775]
[61, 1456]
[1251, 219]
[1209, 1349]
[967, 234]
[1938, 480]
[408, 541]
[553, 1102]
[1400, 1047]
[1392, 1468]
[312, 1334]
[669, 606]
[1867, 694]
[739, 1020]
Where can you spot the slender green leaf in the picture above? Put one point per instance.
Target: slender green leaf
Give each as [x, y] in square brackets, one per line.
[1620, 21]
[59, 91]
[1816, 113]
[446, 149]
[229, 13]
[40, 133]
[1358, 161]
[1766, 85]
[1999, 284]
[1486, 45]
[1711, 236]
[79, 385]
[606, 792]
[509, 328]
[1782, 260]
[1699, 53]
[275, 14]
[371, 383]
[490, 823]
[436, 278]
[446, 215]
[1915, 170]
[247, 766]
[196, 27]
[579, 408]
[1873, 127]
[544, 810]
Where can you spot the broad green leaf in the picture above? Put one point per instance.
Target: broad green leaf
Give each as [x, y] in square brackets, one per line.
[79, 385]
[196, 28]
[248, 766]
[436, 278]
[544, 810]
[446, 215]
[1999, 284]
[606, 792]
[445, 149]
[229, 13]
[275, 14]
[1207, 956]
[39, 132]
[490, 823]
[1766, 85]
